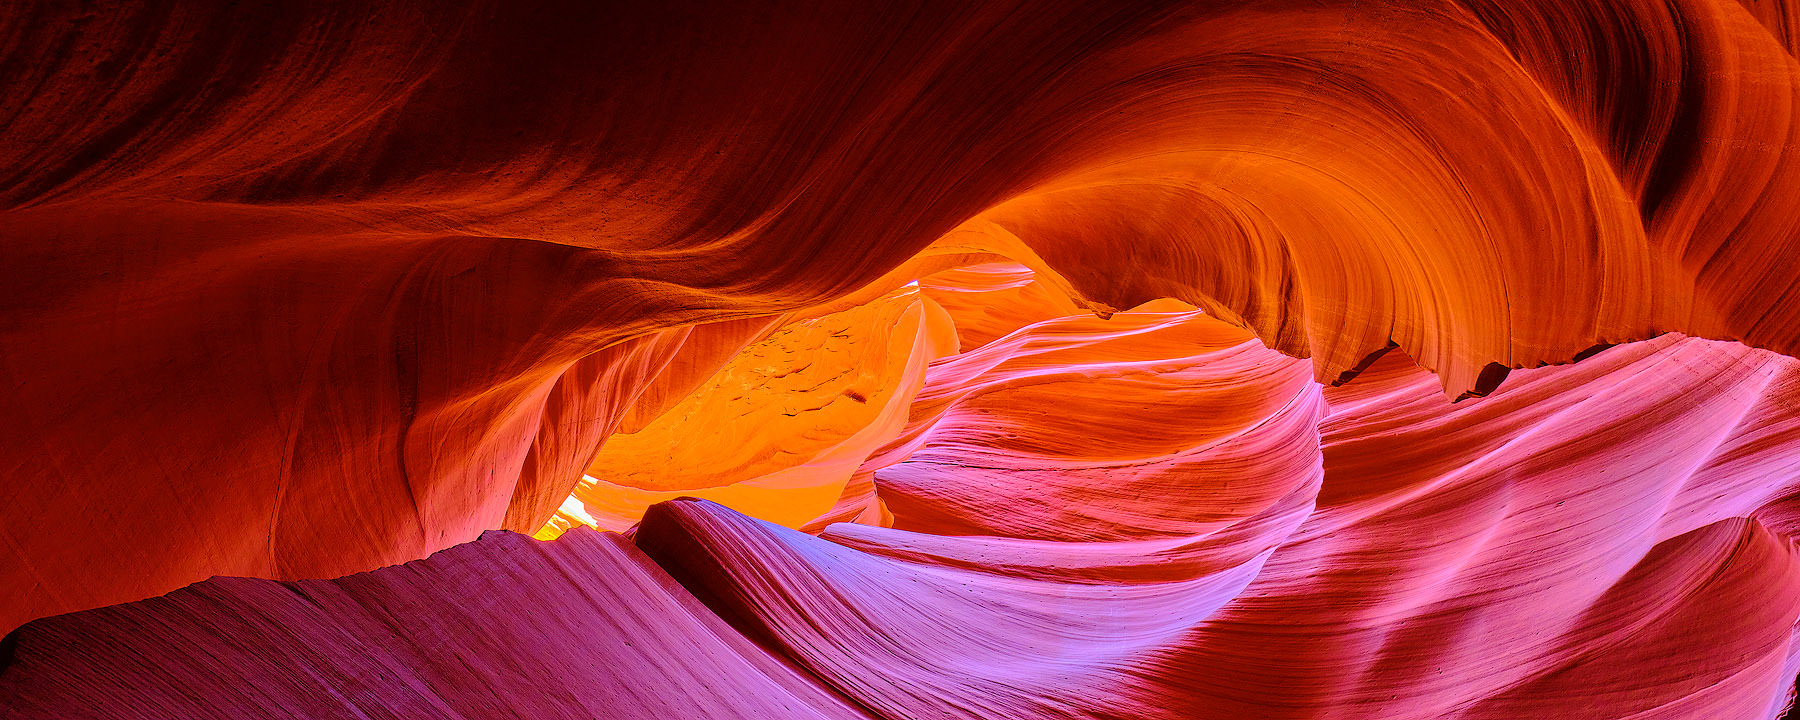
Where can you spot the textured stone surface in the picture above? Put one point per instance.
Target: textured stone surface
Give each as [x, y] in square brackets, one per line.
[1032, 320]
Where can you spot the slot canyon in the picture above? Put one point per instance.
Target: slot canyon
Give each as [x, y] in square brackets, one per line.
[858, 359]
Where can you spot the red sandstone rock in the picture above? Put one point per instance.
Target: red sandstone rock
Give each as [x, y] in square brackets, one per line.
[299, 292]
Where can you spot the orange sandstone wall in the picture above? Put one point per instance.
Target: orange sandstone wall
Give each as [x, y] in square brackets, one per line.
[299, 292]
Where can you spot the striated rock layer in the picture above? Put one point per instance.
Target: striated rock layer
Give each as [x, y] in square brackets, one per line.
[1220, 537]
[466, 633]
[1051, 359]
[796, 626]
[300, 291]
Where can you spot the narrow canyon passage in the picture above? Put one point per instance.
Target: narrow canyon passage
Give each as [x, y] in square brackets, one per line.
[1275, 359]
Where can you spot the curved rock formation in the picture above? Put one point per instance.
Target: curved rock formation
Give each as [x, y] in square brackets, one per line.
[1098, 357]
[426, 639]
[780, 429]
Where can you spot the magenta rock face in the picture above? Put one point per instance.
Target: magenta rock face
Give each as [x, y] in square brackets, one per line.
[500, 627]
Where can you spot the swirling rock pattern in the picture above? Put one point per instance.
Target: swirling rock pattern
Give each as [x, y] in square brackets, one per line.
[441, 637]
[1051, 359]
